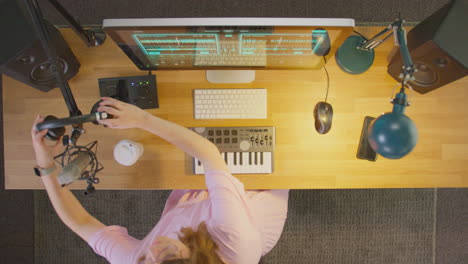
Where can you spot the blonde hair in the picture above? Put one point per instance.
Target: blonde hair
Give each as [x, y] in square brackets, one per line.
[201, 245]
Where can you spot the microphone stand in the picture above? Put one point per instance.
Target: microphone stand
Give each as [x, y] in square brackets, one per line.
[92, 38]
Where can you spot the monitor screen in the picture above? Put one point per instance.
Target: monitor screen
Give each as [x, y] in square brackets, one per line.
[228, 43]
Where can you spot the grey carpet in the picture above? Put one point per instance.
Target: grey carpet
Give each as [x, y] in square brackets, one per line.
[452, 226]
[93, 12]
[16, 214]
[139, 211]
[324, 226]
[358, 226]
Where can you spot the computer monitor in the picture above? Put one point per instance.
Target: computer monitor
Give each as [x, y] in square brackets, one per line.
[230, 49]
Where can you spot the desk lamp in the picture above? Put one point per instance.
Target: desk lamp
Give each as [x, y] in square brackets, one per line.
[392, 135]
[78, 162]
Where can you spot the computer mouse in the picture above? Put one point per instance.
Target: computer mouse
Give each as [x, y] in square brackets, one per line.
[323, 114]
[320, 42]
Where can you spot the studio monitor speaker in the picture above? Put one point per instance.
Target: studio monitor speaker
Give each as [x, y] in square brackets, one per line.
[21, 54]
[439, 48]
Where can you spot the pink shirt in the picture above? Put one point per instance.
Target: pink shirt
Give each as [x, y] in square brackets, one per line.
[244, 224]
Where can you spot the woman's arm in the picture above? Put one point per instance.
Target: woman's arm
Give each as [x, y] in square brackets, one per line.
[69, 209]
[226, 192]
[64, 202]
[130, 116]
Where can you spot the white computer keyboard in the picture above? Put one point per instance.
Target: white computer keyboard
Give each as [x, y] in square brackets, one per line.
[230, 103]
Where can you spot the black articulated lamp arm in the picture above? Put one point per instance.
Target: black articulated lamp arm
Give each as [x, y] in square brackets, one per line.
[91, 38]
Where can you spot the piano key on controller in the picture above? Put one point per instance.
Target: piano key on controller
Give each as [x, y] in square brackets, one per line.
[247, 161]
[233, 168]
[243, 163]
[198, 166]
[268, 162]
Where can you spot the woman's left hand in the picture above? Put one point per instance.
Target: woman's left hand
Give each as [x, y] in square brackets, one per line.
[44, 153]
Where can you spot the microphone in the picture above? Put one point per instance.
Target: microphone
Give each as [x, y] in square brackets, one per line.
[73, 170]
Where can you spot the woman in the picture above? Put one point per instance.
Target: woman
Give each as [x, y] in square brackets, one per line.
[224, 224]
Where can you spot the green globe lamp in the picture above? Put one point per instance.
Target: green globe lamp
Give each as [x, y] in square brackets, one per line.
[392, 135]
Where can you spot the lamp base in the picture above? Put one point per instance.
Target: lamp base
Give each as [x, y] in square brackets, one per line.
[351, 59]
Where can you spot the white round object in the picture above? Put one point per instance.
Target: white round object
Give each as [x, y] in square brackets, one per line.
[127, 152]
[244, 145]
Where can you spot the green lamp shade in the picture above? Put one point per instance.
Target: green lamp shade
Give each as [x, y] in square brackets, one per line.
[351, 59]
[393, 135]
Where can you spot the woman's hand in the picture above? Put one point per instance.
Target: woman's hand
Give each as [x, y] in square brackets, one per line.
[125, 115]
[44, 153]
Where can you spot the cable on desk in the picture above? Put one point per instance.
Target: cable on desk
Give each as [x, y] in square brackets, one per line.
[360, 35]
[328, 78]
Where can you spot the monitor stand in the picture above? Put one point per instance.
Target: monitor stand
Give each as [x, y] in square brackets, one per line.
[230, 76]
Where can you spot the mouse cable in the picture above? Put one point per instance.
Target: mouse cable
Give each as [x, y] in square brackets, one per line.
[149, 72]
[328, 78]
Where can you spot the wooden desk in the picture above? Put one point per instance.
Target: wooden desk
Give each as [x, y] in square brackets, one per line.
[303, 158]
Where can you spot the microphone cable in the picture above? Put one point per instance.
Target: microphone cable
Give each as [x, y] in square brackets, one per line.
[89, 175]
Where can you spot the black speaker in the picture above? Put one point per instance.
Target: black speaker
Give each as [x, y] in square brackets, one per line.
[438, 47]
[21, 54]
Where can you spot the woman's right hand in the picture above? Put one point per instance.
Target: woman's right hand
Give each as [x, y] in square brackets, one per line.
[125, 115]
[45, 153]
